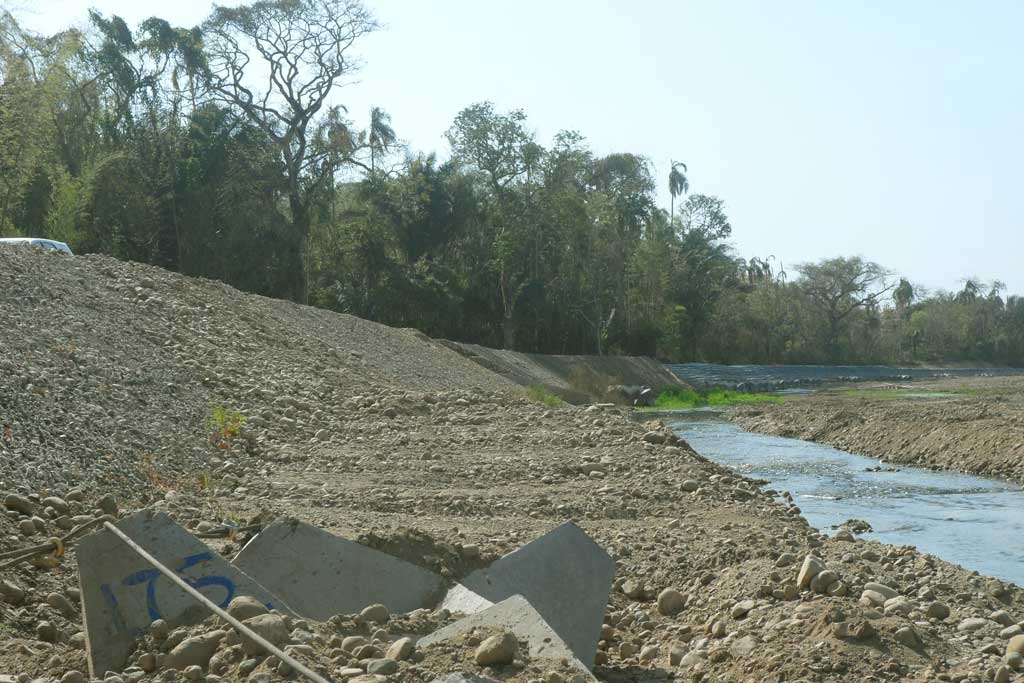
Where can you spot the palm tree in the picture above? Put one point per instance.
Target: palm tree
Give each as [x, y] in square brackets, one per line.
[903, 296]
[382, 135]
[677, 185]
[971, 291]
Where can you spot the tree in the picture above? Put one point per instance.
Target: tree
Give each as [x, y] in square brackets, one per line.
[499, 147]
[706, 215]
[304, 48]
[381, 135]
[677, 185]
[839, 287]
[496, 144]
[26, 124]
[903, 295]
[971, 291]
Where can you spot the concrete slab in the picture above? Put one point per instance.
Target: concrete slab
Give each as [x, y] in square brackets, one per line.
[517, 615]
[122, 594]
[564, 575]
[319, 574]
[459, 677]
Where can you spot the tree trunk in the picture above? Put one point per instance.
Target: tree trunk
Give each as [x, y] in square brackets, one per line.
[508, 331]
[300, 221]
[832, 345]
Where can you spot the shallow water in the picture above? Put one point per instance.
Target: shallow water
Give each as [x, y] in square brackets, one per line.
[972, 521]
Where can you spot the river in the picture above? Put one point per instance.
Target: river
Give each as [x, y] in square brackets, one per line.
[975, 522]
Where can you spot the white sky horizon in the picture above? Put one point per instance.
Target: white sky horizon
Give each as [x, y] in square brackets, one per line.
[892, 131]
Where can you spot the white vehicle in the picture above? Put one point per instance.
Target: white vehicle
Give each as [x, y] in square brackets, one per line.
[52, 245]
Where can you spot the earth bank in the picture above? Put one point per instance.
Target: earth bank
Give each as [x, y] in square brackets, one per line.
[110, 375]
[970, 425]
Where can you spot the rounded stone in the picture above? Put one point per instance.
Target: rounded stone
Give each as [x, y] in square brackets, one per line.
[937, 610]
[497, 650]
[1015, 645]
[812, 566]
[246, 607]
[375, 614]
[382, 666]
[671, 602]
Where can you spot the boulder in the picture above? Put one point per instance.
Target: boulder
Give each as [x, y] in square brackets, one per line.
[497, 650]
[881, 589]
[246, 607]
[272, 627]
[937, 610]
[812, 567]
[671, 602]
[1016, 645]
[195, 651]
[972, 624]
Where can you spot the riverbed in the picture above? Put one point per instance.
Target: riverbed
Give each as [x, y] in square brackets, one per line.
[972, 521]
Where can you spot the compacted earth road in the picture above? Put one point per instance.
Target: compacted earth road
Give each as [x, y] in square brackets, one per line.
[124, 385]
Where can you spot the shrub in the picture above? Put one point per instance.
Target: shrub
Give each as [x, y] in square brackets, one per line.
[225, 425]
[539, 394]
[677, 399]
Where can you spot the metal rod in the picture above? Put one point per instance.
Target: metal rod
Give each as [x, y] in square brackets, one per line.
[43, 548]
[242, 628]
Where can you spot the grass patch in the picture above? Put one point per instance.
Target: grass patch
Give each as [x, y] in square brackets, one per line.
[682, 399]
[539, 394]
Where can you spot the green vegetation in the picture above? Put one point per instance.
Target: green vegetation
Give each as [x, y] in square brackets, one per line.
[682, 399]
[225, 424]
[147, 144]
[539, 394]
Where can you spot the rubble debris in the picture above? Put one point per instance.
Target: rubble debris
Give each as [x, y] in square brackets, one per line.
[319, 574]
[564, 575]
[122, 594]
[517, 616]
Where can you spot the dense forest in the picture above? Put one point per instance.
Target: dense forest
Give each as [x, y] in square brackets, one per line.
[225, 151]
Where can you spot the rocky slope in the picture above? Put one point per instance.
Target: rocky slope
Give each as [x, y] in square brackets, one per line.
[712, 577]
[576, 379]
[110, 371]
[980, 431]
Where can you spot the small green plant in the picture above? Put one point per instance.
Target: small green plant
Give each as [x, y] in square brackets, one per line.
[225, 425]
[539, 394]
[682, 399]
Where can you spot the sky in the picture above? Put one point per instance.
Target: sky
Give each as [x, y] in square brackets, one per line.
[893, 131]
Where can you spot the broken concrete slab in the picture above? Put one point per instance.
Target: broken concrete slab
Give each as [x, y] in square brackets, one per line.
[517, 615]
[319, 574]
[463, 677]
[564, 575]
[122, 594]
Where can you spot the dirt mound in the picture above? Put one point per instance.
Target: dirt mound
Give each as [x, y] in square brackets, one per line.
[577, 379]
[110, 372]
